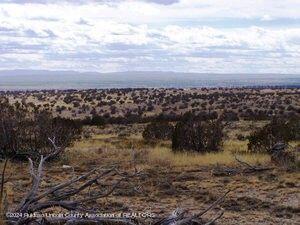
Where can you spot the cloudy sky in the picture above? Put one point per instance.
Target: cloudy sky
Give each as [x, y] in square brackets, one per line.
[232, 36]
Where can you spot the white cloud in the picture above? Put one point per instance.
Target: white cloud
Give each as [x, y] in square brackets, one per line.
[266, 18]
[133, 35]
[143, 12]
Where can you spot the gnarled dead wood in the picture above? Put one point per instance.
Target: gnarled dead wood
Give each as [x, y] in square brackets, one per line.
[245, 168]
[64, 196]
[35, 202]
[250, 168]
[178, 217]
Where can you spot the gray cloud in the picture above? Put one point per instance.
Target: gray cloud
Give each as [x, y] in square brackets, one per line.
[99, 37]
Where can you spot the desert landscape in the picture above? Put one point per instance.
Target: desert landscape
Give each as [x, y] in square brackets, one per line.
[247, 103]
[149, 112]
[147, 152]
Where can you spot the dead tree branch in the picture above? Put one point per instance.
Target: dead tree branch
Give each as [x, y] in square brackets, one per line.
[64, 196]
[35, 202]
[245, 168]
[178, 217]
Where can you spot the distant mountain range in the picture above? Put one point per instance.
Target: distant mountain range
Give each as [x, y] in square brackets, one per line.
[23, 72]
[45, 79]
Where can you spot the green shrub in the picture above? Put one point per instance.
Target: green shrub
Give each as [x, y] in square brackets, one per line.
[193, 134]
[293, 125]
[24, 134]
[278, 130]
[230, 116]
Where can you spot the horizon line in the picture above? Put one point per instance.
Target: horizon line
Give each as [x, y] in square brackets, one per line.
[142, 71]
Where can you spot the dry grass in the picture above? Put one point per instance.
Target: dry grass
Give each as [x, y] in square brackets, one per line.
[78, 157]
[117, 149]
[243, 127]
[165, 156]
[98, 139]
[295, 144]
[235, 146]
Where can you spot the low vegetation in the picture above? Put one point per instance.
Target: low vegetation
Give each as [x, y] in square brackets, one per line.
[227, 141]
[158, 131]
[24, 134]
[278, 130]
[121, 106]
[193, 134]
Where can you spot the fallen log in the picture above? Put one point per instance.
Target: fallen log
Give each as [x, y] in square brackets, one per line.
[64, 196]
[59, 195]
[245, 168]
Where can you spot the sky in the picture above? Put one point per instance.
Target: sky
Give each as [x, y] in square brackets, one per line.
[205, 36]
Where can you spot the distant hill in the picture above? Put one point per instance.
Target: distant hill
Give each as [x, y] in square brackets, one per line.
[45, 79]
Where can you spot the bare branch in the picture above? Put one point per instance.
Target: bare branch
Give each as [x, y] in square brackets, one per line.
[63, 185]
[218, 201]
[36, 179]
[101, 195]
[56, 151]
[243, 163]
[82, 187]
[215, 219]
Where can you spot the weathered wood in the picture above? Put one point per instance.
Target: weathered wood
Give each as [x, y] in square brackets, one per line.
[179, 217]
[245, 169]
[35, 202]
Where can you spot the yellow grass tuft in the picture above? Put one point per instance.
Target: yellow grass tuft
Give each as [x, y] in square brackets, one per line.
[164, 155]
[119, 149]
[235, 146]
[78, 157]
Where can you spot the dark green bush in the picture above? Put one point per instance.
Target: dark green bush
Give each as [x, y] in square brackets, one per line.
[97, 120]
[158, 131]
[278, 130]
[241, 137]
[230, 116]
[193, 134]
[24, 134]
[293, 125]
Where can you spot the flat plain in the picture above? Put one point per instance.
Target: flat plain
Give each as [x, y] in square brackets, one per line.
[171, 180]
